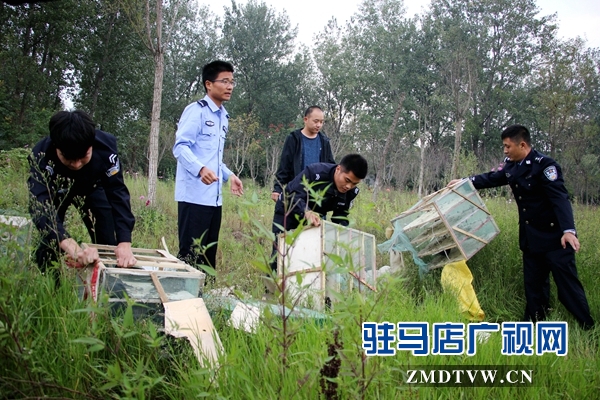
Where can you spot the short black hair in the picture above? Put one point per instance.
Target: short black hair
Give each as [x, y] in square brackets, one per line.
[517, 133]
[310, 109]
[72, 132]
[211, 71]
[356, 164]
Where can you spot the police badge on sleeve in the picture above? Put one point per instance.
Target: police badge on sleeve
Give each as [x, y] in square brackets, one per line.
[115, 166]
[551, 173]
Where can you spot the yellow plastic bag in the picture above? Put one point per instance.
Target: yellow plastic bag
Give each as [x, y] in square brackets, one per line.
[457, 278]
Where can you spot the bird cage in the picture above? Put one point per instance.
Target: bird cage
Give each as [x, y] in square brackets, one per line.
[164, 289]
[179, 280]
[449, 225]
[327, 258]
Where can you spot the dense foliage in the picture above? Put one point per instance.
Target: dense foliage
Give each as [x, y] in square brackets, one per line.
[423, 98]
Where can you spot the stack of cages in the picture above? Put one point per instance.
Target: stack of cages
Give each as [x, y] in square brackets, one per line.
[449, 225]
[179, 281]
[325, 261]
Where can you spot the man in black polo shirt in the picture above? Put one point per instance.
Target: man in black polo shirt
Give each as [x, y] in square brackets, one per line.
[78, 164]
[339, 182]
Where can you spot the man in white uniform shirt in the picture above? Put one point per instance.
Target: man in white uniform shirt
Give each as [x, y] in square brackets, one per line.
[198, 148]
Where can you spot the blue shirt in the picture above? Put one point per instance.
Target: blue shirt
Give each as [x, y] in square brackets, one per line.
[311, 151]
[199, 142]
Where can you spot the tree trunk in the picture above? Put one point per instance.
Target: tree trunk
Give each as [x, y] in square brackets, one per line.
[388, 140]
[456, 155]
[156, 107]
[155, 126]
[422, 164]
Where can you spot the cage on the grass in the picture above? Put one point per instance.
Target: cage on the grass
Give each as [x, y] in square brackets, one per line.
[327, 258]
[163, 289]
[449, 225]
[179, 280]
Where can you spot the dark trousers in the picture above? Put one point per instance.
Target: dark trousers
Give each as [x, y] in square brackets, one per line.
[96, 213]
[198, 228]
[561, 263]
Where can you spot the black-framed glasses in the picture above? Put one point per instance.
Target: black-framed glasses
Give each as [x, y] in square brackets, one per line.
[226, 82]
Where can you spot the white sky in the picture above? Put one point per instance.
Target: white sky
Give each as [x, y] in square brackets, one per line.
[576, 17]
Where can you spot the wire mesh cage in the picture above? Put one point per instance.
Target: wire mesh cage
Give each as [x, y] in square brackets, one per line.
[450, 225]
[325, 259]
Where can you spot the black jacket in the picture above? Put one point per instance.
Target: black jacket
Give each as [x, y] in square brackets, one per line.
[539, 190]
[298, 199]
[54, 187]
[290, 164]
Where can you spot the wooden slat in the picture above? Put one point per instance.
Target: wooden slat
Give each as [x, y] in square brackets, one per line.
[168, 255]
[469, 235]
[161, 264]
[444, 261]
[159, 288]
[445, 245]
[133, 249]
[141, 272]
[140, 257]
[435, 231]
[164, 243]
[428, 217]
[362, 281]
[471, 201]
[304, 271]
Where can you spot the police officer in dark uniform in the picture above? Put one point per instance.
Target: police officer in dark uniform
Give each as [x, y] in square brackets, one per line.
[547, 235]
[339, 182]
[78, 164]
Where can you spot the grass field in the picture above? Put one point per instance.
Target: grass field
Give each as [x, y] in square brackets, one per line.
[52, 345]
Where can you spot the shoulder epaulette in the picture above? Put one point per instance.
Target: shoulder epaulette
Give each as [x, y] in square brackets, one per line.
[203, 103]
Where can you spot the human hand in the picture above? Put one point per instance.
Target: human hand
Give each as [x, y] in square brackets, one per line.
[83, 257]
[125, 257]
[87, 256]
[275, 196]
[208, 176]
[571, 239]
[313, 218]
[237, 187]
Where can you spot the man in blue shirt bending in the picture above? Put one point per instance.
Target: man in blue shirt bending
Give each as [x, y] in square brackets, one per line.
[198, 148]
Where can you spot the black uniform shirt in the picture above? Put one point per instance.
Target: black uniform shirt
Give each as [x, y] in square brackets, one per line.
[55, 187]
[542, 198]
[321, 176]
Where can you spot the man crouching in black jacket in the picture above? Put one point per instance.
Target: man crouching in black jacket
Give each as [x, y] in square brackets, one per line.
[339, 182]
[78, 164]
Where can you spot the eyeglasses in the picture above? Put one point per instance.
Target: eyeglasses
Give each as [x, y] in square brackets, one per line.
[226, 82]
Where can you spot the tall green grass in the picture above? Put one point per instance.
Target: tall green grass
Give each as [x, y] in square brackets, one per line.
[53, 345]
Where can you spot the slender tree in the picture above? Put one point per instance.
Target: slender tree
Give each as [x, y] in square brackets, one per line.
[148, 19]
